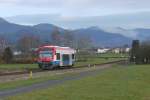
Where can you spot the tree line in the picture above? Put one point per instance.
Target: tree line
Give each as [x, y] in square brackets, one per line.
[27, 43]
[140, 52]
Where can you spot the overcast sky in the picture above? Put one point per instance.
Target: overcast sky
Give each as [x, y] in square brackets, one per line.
[69, 9]
[72, 7]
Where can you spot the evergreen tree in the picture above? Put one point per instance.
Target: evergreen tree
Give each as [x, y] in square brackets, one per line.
[134, 57]
[7, 55]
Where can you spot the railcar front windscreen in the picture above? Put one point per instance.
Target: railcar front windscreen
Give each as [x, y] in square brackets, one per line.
[46, 54]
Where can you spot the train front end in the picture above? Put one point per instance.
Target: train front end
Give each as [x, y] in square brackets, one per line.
[46, 58]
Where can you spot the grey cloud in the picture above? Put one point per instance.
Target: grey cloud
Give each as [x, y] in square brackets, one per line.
[80, 7]
[121, 20]
[8, 2]
[82, 3]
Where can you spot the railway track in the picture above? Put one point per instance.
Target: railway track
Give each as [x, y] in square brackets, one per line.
[63, 68]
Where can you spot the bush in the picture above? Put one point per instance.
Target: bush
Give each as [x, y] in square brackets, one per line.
[23, 60]
[1, 60]
[142, 54]
[7, 55]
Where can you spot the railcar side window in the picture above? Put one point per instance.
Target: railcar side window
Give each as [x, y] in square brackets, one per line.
[73, 56]
[58, 56]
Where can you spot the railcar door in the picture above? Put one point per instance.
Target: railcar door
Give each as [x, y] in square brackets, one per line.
[65, 59]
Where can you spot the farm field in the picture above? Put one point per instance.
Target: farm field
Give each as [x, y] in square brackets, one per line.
[121, 82]
[97, 61]
[18, 66]
[89, 60]
[113, 55]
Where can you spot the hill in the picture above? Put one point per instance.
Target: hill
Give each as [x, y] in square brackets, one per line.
[100, 38]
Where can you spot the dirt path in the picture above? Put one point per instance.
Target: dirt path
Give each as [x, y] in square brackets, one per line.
[50, 83]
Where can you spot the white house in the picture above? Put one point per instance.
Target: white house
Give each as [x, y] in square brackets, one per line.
[127, 50]
[121, 50]
[102, 50]
[116, 50]
[16, 53]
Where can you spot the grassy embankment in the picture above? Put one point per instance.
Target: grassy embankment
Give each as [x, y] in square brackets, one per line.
[116, 83]
[30, 81]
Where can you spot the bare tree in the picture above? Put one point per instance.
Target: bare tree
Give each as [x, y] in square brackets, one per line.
[26, 43]
[68, 39]
[3, 43]
[84, 42]
[56, 37]
[7, 55]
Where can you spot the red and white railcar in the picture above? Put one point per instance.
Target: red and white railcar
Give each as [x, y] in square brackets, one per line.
[55, 56]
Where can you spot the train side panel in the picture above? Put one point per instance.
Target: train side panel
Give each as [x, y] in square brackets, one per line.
[66, 58]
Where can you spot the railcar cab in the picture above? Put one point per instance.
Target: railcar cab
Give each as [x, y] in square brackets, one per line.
[55, 56]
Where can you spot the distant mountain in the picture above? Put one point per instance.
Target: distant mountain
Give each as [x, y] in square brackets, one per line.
[139, 33]
[40, 29]
[46, 27]
[118, 30]
[142, 34]
[100, 37]
[14, 31]
[6, 27]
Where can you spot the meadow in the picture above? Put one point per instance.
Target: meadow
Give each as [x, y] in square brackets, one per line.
[121, 82]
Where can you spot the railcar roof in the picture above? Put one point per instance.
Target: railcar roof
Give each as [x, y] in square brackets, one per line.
[57, 47]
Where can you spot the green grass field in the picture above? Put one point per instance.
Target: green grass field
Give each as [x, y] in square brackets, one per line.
[113, 55]
[18, 66]
[97, 61]
[116, 83]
